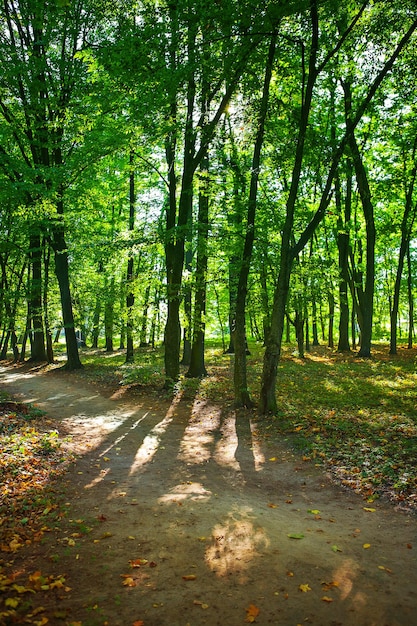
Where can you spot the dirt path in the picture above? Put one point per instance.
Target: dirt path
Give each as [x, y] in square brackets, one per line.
[198, 496]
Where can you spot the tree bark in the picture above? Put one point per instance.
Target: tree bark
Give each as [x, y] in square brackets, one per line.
[197, 367]
[38, 352]
[130, 296]
[406, 229]
[241, 392]
[62, 274]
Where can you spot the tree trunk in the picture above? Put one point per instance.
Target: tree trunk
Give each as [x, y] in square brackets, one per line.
[62, 274]
[144, 323]
[272, 353]
[130, 296]
[109, 313]
[343, 244]
[38, 352]
[410, 300]
[406, 229]
[241, 393]
[366, 301]
[48, 331]
[197, 367]
[331, 301]
[186, 353]
[96, 323]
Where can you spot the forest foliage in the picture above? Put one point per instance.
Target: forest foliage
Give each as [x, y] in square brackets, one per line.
[176, 170]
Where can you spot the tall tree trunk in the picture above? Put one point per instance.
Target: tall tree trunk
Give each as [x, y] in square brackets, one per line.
[331, 301]
[197, 367]
[241, 392]
[187, 300]
[410, 300]
[96, 323]
[62, 274]
[343, 244]
[48, 330]
[144, 323]
[365, 297]
[38, 352]
[273, 348]
[130, 296]
[406, 229]
[109, 313]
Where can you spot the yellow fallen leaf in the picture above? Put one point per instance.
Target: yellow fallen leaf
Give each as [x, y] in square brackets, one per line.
[327, 599]
[313, 511]
[304, 588]
[274, 458]
[385, 569]
[369, 509]
[12, 602]
[366, 546]
[129, 582]
[189, 577]
[252, 613]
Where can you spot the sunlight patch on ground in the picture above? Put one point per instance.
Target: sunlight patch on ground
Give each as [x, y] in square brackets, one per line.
[151, 442]
[345, 575]
[225, 450]
[198, 440]
[235, 544]
[185, 491]
[121, 437]
[149, 446]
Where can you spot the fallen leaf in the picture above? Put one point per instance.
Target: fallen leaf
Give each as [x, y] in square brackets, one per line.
[202, 604]
[327, 599]
[295, 535]
[314, 511]
[327, 586]
[138, 623]
[369, 509]
[304, 588]
[272, 506]
[252, 613]
[129, 581]
[189, 577]
[366, 546]
[336, 549]
[138, 562]
[274, 458]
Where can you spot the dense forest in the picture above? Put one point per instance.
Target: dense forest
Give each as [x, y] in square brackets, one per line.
[176, 169]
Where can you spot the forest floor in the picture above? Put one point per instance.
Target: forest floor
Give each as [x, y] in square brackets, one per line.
[183, 512]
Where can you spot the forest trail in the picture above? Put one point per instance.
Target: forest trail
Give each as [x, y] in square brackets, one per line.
[205, 509]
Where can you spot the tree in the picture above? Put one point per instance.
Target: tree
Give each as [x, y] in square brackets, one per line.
[43, 76]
